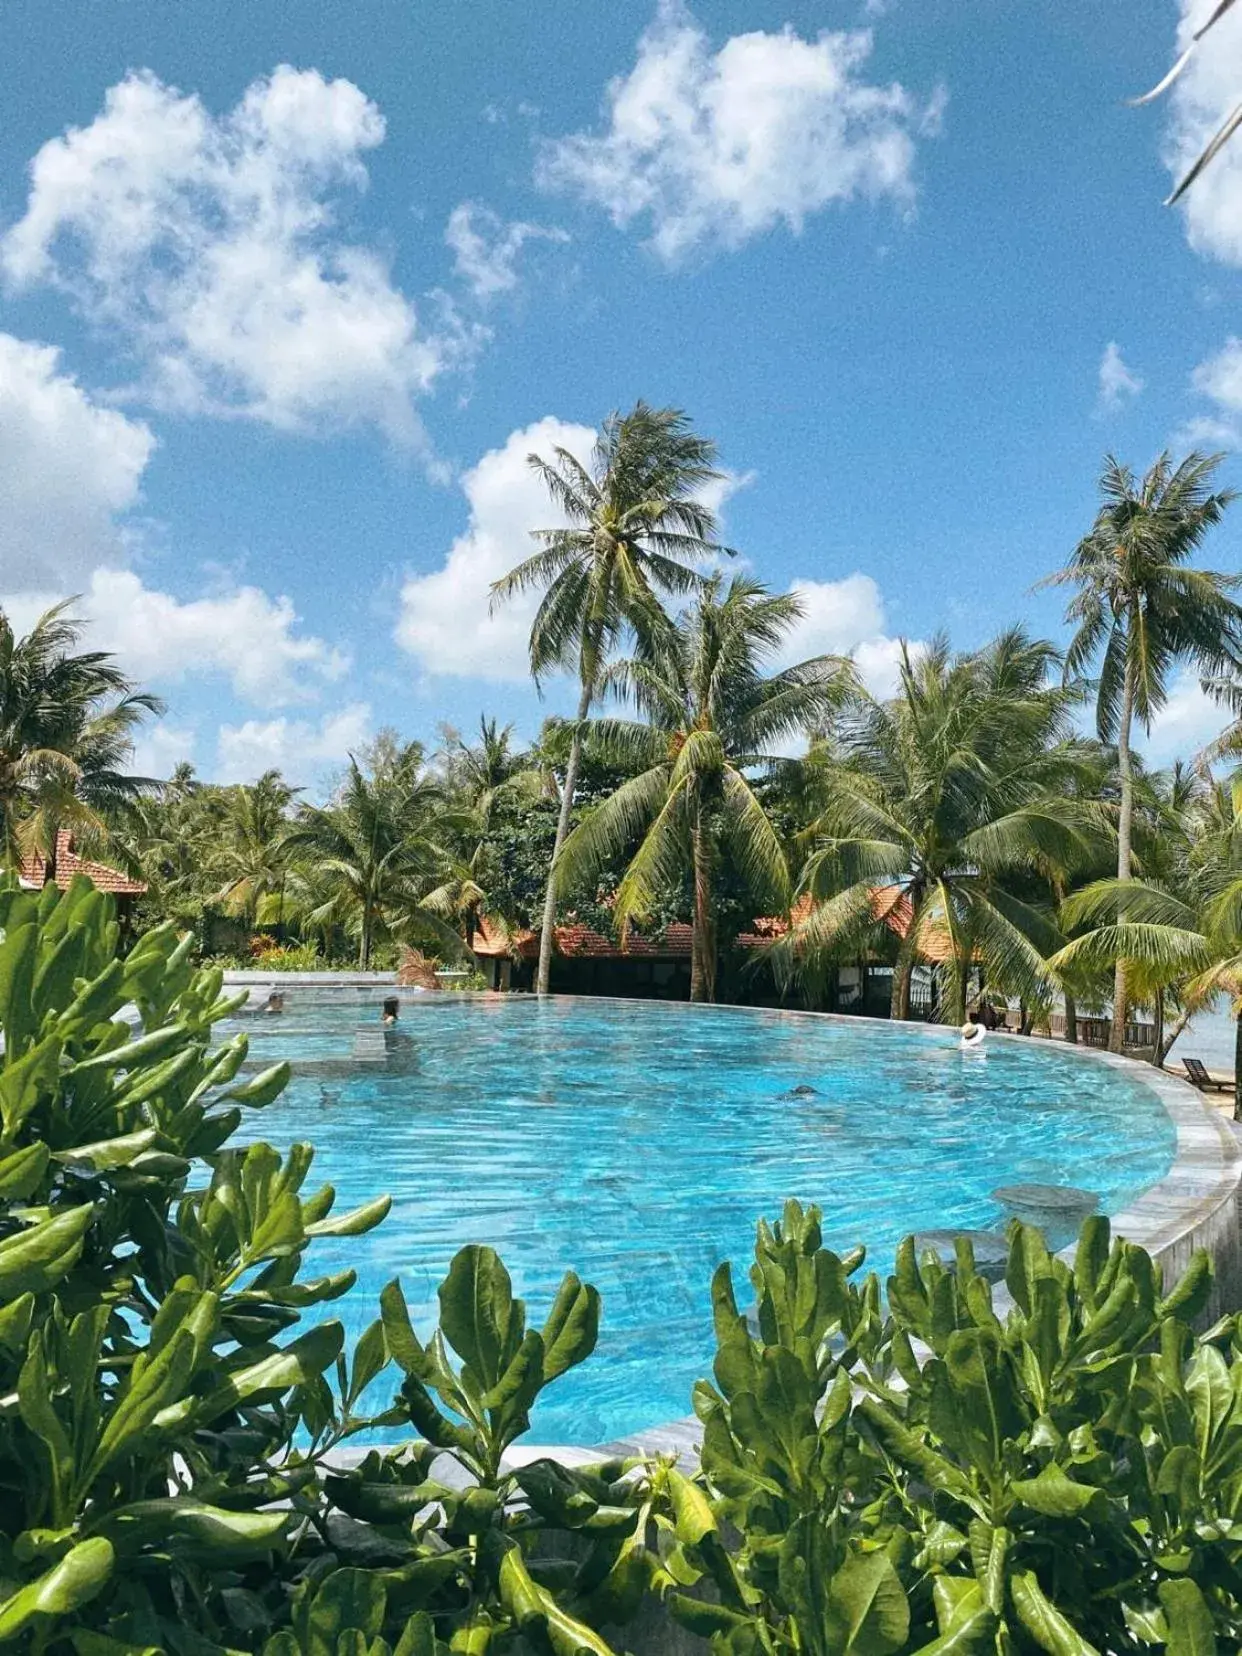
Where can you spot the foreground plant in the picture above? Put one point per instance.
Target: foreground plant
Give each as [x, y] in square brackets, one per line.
[167, 1435]
[1065, 1478]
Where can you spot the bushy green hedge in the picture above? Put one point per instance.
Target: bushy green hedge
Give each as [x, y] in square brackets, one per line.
[880, 1474]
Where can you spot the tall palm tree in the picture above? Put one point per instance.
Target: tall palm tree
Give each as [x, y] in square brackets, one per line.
[251, 855]
[67, 725]
[1143, 610]
[1192, 935]
[713, 719]
[936, 797]
[376, 852]
[636, 528]
[483, 774]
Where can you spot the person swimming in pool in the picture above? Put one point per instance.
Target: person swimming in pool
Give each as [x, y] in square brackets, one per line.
[392, 1010]
[973, 1036]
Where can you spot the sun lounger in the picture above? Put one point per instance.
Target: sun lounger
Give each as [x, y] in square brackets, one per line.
[1197, 1074]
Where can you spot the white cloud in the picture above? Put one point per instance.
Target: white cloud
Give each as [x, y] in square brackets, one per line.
[486, 249]
[444, 621]
[303, 749]
[240, 633]
[68, 470]
[161, 747]
[1219, 379]
[1220, 376]
[713, 148]
[1118, 384]
[845, 617]
[1188, 722]
[208, 244]
[1201, 98]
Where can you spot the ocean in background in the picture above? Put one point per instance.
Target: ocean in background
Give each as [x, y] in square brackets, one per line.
[1210, 1036]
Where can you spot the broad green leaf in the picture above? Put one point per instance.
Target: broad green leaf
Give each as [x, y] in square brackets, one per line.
[477, 1311]
[179, 1521]
[868, 1614]
[355, 1223]
[293, 1365]
[403, 1343]
[1043, 1621]
[1056, 1495]
[1190, 1621]
[572, 1327]
[37, 1258]
[22, 1172]
[74, 1581]
[158, 1044]
[263, 1089]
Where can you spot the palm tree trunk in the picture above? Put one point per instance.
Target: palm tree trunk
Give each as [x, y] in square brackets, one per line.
[364, 950]
[1071, 1020]
[1117, 1033]
[1157, 1044]
[899, 1006]
[703, 944]
[1237, 1068]
[546, 932]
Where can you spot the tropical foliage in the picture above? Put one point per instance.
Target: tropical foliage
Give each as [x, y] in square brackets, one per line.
[713, 720]
[635, 530]
[1144, 611]
[67, 721]
[942, 799]
[943, 831]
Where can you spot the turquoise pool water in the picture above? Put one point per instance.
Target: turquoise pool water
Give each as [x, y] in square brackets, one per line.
[638, 1142]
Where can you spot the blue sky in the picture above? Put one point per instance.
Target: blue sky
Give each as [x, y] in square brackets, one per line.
[289, 291]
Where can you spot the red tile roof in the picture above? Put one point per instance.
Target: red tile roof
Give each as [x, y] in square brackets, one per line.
[889, 904]
[33, 872]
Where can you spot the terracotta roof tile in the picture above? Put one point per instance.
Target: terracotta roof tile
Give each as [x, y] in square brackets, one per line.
[33, 871]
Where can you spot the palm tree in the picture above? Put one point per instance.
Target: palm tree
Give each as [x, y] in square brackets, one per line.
[376, 852]
[636, 527]
[251, 852]
[67, 724]
[1192, 935]
[936, 800]
[1144, 611]
[712, 721]
[485, 774]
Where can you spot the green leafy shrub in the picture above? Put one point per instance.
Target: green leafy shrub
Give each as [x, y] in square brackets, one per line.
[167, 1431]
[1065, 1478]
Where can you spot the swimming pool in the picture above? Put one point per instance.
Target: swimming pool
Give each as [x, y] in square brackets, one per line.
[638, 1142]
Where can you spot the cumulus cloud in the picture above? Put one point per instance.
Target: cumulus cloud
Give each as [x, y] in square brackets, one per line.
[303, 749]
[711, 148]
[845, 617]
[1188, 721]
[486, 249]
[209, 245]
[69, 469]
[444, 621]
[240, 634]
[160, 748]
[1118, 384]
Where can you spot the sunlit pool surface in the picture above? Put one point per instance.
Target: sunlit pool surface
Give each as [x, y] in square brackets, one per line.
[638, 1143]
